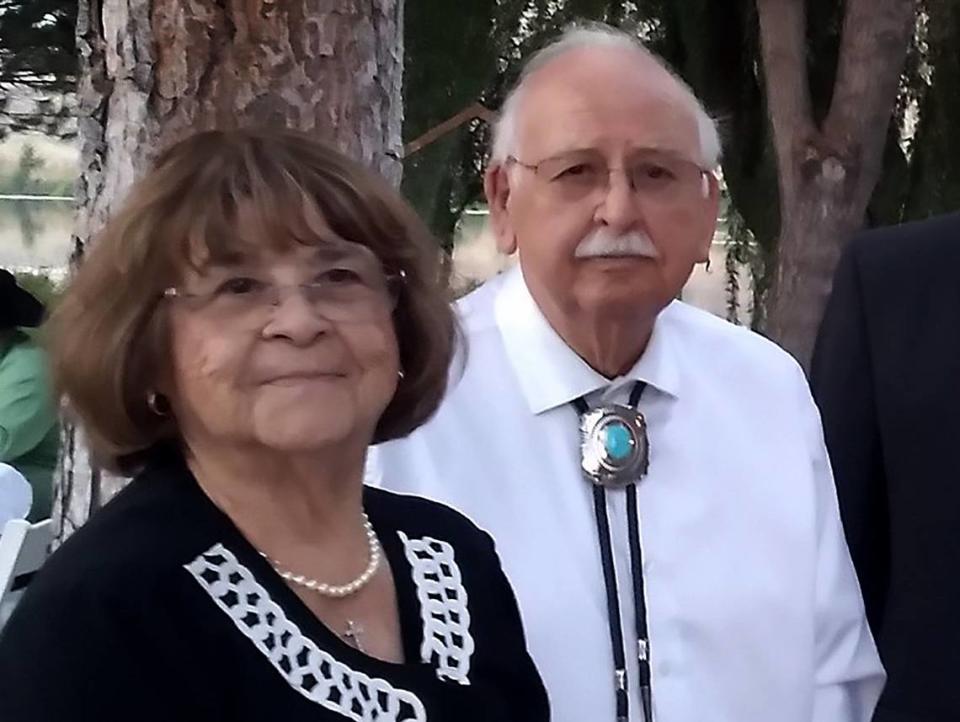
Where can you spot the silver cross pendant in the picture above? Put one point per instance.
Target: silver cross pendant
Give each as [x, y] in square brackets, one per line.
[352, 635]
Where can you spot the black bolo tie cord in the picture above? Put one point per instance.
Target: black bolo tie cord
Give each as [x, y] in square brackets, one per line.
[610, 582]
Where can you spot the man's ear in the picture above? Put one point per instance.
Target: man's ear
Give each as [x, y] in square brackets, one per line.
[710, 214]
[496, 187]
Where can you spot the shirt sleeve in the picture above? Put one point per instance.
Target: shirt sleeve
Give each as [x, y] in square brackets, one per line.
[849, 676]
[26, 407]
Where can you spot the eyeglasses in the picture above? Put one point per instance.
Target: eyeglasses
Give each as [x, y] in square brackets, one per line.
[655, 176]
[348, 291]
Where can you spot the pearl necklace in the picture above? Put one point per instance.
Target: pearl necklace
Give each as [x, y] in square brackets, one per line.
[341, 590]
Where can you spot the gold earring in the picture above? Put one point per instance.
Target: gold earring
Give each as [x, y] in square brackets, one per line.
[157, 403]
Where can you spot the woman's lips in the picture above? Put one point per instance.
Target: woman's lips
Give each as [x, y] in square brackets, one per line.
[292, 377]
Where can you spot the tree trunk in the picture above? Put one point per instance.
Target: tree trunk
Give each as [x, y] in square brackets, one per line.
[827, 172]
[153, 71]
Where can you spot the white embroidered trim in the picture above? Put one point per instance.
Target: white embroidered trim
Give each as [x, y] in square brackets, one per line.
[443, 607]
[309, 670]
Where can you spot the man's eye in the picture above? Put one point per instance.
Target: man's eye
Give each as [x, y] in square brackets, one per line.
[238, 287]
[656, 172]
[579, 170]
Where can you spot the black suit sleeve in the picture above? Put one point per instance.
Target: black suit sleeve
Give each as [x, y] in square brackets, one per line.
[842, 379]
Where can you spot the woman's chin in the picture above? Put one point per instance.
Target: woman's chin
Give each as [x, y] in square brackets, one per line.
[300, 441]
[300, 427]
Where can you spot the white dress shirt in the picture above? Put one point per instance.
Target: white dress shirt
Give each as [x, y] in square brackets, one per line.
[754, 609]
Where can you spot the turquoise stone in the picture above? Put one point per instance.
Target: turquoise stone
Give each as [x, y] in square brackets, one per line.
[618, 441]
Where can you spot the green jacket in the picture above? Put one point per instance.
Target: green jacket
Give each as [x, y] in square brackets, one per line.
[29, 428]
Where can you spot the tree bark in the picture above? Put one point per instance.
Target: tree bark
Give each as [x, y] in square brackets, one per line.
[826, 173]
[153, 71]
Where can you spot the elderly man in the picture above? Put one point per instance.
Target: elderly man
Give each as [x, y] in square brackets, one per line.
[655, 478]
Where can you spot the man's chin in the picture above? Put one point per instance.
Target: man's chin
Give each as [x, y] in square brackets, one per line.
[614, 297]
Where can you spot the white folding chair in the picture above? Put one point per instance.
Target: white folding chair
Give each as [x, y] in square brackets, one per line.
[23, 549]
[16, 495]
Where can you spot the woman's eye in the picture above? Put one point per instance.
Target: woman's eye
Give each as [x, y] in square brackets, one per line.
[238, 287]
[339, 276]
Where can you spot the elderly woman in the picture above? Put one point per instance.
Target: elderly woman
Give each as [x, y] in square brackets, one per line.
[260, 311]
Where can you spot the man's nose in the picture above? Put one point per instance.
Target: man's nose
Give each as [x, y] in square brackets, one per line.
[619, 208]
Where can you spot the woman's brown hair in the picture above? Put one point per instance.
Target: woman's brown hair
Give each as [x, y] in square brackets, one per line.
[108, 336]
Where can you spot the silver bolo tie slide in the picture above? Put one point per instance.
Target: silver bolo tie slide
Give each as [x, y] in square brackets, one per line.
[614, 450]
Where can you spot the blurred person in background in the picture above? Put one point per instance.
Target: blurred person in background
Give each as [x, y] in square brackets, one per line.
[29, 427]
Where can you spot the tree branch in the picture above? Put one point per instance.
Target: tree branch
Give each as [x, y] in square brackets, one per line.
[783, 45]
[474, 110]
[876, 34]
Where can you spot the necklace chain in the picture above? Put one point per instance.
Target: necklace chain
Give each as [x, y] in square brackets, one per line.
[338, 590]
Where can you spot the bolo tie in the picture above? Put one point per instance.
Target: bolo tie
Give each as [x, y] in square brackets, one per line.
[614, 454]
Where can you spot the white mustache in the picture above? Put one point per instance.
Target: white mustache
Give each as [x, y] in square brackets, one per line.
[601, 243]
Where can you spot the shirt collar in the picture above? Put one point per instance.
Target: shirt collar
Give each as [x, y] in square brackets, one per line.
[550, 373]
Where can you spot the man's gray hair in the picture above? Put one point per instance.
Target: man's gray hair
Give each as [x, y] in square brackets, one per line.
[595, 35]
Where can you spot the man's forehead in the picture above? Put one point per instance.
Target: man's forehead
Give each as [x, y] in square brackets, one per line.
[594, 98]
